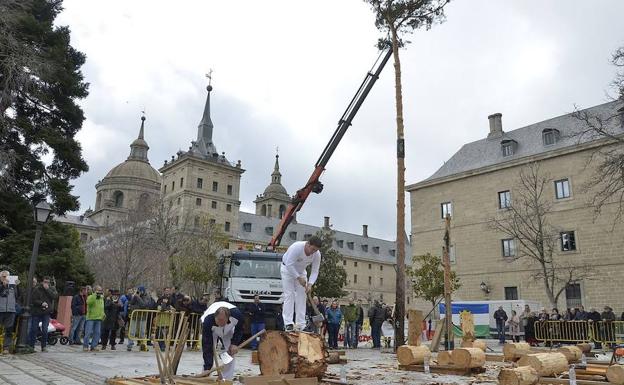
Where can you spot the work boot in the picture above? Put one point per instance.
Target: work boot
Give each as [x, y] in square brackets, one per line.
[289, 327]
[113, 347]
[103, 347]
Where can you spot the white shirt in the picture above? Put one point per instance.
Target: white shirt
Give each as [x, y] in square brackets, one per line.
[295, 260]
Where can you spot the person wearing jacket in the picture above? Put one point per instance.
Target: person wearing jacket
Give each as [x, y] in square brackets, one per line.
[223, 321]
[164, 319]
[112, 315]
[334, 318]
[501, 318]
[350, 317]
[376, 316]
[358, 323]
[42, 305]
[95, 315]
[79, 310]
[137, 329]
[125, 301]
[8, 295]
[256, 313]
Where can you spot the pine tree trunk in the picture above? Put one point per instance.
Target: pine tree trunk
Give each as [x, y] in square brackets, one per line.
[303, 354]
[412, 355]
[514, 350]
[546, 364]
[524, 375]
[468, 357]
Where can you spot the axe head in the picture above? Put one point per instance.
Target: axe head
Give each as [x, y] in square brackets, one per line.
[225, 358]
[318, 318]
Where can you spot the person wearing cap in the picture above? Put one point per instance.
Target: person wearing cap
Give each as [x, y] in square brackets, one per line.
[221, 321]
[295, 282]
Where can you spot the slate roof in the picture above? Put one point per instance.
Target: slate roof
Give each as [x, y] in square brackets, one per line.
[260, 234]
[488, 152]
[76, 220]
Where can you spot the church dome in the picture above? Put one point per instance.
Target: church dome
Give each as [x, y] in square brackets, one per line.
[135, 169]
[275, 188]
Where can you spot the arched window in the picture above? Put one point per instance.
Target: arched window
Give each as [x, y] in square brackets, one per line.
[118, 198]
[282, 211]
[143, 201]
[263, 211]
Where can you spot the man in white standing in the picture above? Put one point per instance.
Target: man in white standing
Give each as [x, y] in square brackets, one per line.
[295, 282]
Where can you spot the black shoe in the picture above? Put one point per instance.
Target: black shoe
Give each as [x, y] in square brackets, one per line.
[289, 327]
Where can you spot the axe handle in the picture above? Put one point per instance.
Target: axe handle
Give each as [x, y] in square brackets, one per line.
[206, 373]
[316, 310]
[248, 340]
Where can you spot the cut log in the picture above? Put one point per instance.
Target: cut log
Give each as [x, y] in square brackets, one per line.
[523, 375]
[546, 364]
[474, 344]
[414, 326]
[411, 355]
[336, 358]
[468, 357]
[466, 320]
[444, 357]
[513, 350]
[585, 347]
[254, 357]
[303, 354]
[572, 353]
[615, 374]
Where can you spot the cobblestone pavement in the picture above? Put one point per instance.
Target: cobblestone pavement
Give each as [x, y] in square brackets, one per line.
[69, 365]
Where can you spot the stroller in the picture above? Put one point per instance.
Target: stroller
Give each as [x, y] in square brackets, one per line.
[55, 333]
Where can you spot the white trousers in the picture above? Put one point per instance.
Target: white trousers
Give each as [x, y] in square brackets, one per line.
[228, 370]
[294, 300]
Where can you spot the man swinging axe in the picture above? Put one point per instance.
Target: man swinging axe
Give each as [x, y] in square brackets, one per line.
[295, 282]
[225, 321]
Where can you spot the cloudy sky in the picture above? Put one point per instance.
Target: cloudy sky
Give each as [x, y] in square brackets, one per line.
[284, 71]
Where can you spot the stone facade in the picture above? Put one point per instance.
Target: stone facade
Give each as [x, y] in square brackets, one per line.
[473, 194]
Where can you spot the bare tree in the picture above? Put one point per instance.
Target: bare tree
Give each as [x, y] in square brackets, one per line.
[527, 222]
[606, 185]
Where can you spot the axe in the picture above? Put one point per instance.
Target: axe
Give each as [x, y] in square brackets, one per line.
[317, 318]
[226, 358]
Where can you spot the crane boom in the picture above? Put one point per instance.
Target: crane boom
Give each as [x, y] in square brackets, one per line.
[313, 184]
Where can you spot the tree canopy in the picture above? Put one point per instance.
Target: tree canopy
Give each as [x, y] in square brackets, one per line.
[332, 275]
[427, 274]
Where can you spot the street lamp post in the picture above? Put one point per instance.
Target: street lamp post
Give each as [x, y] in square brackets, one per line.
[41, 213]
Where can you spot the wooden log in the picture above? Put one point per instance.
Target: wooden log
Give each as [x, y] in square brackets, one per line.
[444, 357]
[546, 364]
[615, 374]
[414, 326]
[466, 320]
[254, 357]
[468, 357]
[572, 353]
[523, 375]
[513, 350]
[303, 354]
[585, 347]
[474, 344]
[410, 355]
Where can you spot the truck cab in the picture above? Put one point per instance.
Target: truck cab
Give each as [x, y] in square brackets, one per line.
[245, 274]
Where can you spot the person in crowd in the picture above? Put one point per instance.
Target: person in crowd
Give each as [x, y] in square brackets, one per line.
[223, 321]
[554, 314]
[334, 319]
[594, 317]
[218, 297]
[8, 308]
[79, 311]
[581, 314]
[524, 320]
[256, 314]
[199, 306]
[42, 305]
[137, 329]
[325, 306]
[350, 318]
[608, 316]
[514, 326]
[164, 318]
[529, 330]
[295, 282]
[543, 315]
[376, 317]
[113, 309]
[501, 318]
[125, 301]
[95, 315]
[358, 323]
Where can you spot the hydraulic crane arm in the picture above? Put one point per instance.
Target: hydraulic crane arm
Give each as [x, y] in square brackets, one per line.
[314, 185]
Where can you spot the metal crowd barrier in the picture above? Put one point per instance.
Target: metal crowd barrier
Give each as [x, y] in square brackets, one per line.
[604, 332]
[148, 325]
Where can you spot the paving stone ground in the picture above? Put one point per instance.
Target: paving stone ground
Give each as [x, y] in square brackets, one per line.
[69, 365]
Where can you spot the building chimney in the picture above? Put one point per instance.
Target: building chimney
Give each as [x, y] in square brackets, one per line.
[326, 223]
[365, 231]
[496, 125]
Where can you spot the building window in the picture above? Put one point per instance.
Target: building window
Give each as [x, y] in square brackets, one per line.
[200, 183]
[380, 267]
[550, 136]
[340, 243]
[196, 222]
[173, 185]
[247, 227]
[282, 211]
[307, 236]
[213, 221]
[365, 248]
[350, 245]
[509, 248]
[344, 263]
[568, 242]
[118, 198]
[354, 263]
[165, 189]
[84, 237]
[213, 204]
[380, 281]
[176, 220]
[198, 202]
[573, 295]
[227, 226]
[181, 182]
[229, 189]
[392, 252]
[215, 186]
[504, 199]
[562, 188]
[508, 146]
[228, 208]
[370, 280]
[354, 278]
[446, 208]
[370, 266]
[268, 230]
[376, 249]
[511, 293]
[179, 200]
[293, 235]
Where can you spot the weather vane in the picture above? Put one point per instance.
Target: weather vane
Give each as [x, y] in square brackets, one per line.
[209, 76]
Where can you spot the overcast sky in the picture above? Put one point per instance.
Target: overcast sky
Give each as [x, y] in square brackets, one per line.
[284, 71]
